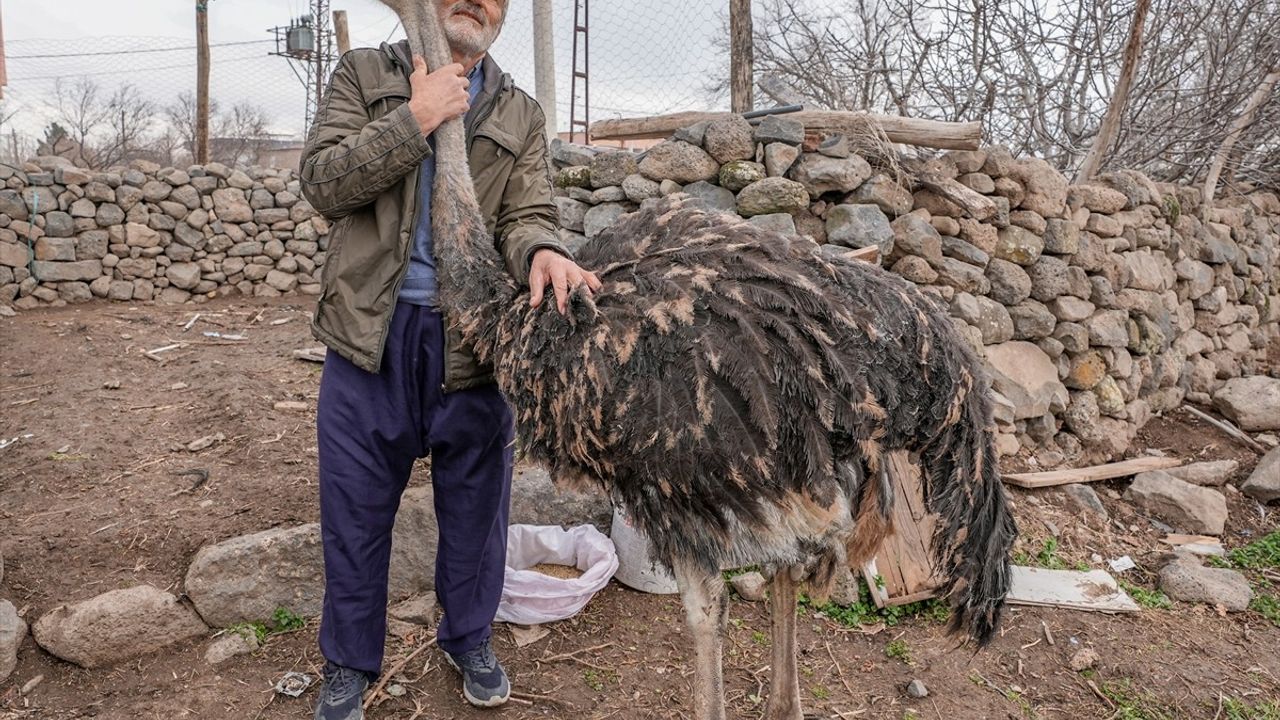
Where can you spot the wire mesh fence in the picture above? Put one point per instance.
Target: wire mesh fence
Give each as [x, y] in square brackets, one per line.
[1038, 73]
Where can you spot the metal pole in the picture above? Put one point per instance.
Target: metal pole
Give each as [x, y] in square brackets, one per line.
[340, 28]
[544, 62]
[201, 150]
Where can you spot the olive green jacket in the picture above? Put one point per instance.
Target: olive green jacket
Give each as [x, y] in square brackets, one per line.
[360, 170]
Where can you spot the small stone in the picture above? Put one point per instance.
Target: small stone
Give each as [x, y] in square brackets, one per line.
[12, 631]
[1264, 484]
[611, 168]
[1019, 246]
[821, 174]
[1084, 498]
[738, 174]
[574, 177]
[860, 226]
[836, 146]
[780, 129]
[291, 406]
[781, 223]
[779, 157]
[1206, 474]
[772, 195]
[637, 188]
[882, 191]
[917, 689]
[1085, 659]
[679, 162]
[1187, 580]
[420, 610]
[749, 586]
[241, 641]
[730, 138]
[600, 217]
[713, 197]
[205, 442]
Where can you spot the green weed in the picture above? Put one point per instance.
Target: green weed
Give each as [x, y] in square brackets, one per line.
[1152, 599]
[1268, 607]
[898, 650]
[1234, 709]
[284, 620]
[1132, 704]
[1260, 554]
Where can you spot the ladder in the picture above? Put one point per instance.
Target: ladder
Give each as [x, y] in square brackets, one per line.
[581, 38]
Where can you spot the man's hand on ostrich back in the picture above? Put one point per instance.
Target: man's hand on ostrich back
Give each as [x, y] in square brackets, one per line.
[551, 268]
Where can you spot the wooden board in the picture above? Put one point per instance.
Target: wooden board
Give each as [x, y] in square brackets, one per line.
[1095, 590]
[1092, 474]
[903, 570]
[908, 131]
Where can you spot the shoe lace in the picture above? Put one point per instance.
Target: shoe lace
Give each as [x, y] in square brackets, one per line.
[481, 659]
[341, 683]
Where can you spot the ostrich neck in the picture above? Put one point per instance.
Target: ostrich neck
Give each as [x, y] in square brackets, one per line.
[474, 285]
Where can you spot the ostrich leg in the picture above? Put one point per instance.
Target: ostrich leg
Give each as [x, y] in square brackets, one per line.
[705, 608]
[784, 684]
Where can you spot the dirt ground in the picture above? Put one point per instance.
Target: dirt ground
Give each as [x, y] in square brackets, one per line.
[92, 501]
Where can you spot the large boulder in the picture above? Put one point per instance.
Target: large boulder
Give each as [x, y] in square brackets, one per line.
[116, 625]
[1253, 403]
[1186, 507]
[1264, 484]
[1024, 374]
[536, 501]
[1187, 580]
[246, 578]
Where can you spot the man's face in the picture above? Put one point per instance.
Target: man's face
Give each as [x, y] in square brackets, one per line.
[471, 26]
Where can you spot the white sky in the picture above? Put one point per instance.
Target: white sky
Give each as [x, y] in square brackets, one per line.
[647, 57]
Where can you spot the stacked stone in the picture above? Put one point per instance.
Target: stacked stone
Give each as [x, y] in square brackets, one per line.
[1094, 306]
[150, 233]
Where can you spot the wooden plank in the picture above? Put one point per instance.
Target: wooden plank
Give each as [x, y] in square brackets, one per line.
[904, 562]
[741, 56]
[1091, 474]
[908, 131]
[1095, 590]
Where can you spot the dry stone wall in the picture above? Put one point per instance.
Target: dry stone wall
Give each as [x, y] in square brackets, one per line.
[1093, 306]
[150, 233]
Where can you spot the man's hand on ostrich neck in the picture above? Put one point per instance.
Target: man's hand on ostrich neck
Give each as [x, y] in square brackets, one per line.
[439, 96]
[551, 268]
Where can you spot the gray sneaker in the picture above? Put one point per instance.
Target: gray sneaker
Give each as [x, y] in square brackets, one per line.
[342, 695]
[484, 682]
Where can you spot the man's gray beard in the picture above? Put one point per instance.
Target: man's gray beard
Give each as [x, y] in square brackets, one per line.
[467, 39]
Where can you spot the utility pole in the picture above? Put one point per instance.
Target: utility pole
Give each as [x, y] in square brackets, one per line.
[544, 62]
[341, 31]
[741, 62]
[201, 150]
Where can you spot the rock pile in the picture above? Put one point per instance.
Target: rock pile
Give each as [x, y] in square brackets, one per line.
[150, 233]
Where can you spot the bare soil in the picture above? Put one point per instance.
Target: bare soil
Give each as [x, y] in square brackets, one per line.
[94, 501]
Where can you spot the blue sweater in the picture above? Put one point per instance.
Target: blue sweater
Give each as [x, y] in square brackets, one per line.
[420, 283]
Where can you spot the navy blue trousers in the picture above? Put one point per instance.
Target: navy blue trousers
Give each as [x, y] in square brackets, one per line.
[372, 427]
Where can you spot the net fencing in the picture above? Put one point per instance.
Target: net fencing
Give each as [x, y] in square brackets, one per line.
[1039, 74]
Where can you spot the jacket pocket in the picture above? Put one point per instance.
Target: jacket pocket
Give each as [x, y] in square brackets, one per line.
[337, 238]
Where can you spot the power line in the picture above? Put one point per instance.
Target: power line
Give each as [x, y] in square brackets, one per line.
[132, 52]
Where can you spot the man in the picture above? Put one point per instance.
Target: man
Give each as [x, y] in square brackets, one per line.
[397, 384]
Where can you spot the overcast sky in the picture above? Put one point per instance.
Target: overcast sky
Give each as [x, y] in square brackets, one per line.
[649, 57]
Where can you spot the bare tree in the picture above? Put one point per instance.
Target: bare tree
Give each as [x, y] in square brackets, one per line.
[104, 130]
[1040, 73]
[241, 134]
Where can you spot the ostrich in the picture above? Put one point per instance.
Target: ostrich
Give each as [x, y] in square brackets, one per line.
[737, 395]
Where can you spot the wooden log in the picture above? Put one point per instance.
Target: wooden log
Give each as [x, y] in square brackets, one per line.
[907, 131]
[979, 206]
[741, 54]
[1092, 474]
